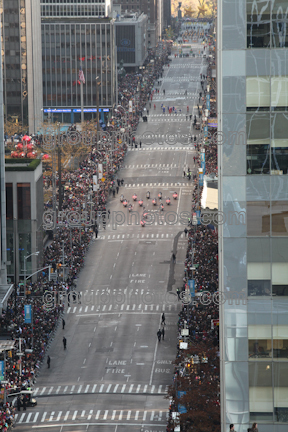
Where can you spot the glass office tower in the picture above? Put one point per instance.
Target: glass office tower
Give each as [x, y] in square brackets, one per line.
[252, 67]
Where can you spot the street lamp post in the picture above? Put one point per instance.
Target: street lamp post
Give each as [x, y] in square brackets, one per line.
[25, 258]
[97, 103]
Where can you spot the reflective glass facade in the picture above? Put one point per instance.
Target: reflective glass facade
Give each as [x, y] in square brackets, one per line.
[253, 102]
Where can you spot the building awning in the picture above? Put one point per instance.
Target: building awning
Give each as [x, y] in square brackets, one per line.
[5, 293]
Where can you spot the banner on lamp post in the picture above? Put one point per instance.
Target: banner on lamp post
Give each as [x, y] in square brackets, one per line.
[28, 314]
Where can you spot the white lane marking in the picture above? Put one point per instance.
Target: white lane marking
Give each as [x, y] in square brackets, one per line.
[43, 417]
[28, 417]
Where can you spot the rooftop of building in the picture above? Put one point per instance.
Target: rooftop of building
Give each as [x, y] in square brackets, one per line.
[21, 164]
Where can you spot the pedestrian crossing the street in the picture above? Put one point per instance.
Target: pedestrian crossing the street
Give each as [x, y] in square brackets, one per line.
[91, 415]
[101, 388]
[117, 308]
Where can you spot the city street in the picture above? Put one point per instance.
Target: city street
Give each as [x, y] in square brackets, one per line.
[114, 374]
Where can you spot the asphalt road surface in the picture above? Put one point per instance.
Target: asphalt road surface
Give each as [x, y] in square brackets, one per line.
[114, 374]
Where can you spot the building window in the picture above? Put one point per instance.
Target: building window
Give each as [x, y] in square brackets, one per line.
[9, 201]
[24, 201]
[258, 23]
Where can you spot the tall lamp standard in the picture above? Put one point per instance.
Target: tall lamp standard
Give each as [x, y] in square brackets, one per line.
[25, 258]
[98, 83]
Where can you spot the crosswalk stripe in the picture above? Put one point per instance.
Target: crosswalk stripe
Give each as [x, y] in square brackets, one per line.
[72, 388]
[152, 415]
[131, 387]
[101, 388]
[120, 415]
[128, 415]
[83, 413]
[36, 391]
[137, 415]
[66, 415]
[144, 415]
[90, 415]
[51, 416]
[115, 388]
[113, 415]
[21, 418]
[43, 417]
[87, 387]
[59, 416]
[138, 388]
[80, 388]
[74, 415]
[65, 389]
[36, 417]
[108, 388]
[97, 415]
[123, 388]
[145, 389]
[94, 388]
[105, 415]
[159, 390]
[28, 417]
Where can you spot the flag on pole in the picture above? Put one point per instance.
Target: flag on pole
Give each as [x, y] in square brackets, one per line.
[81, 75]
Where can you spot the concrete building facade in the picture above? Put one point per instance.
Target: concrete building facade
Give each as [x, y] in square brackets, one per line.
[24, 216]
[149, 8]
[252, 85]
[131, 39]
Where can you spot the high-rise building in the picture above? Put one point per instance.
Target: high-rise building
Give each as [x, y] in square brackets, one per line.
[21, 57]
[74, 35]
[149, 8]
[252, 68]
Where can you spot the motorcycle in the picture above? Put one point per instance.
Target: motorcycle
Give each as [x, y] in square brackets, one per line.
[154, 201]
[130, 207]
[168, 201]
[134, 197]
[160, 195]
[142, 223]
[121, 198]
[175, 195]
[140, 202]
[148, 195]
[125, 203]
